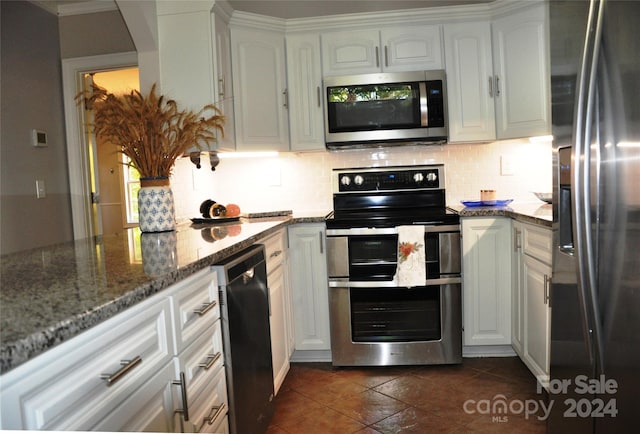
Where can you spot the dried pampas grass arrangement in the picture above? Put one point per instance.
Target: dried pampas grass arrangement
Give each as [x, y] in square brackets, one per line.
[151, 130]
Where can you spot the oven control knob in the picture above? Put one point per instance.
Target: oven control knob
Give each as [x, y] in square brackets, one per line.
[345, 180]
[418, 177]
[358, 180]
[431, 176]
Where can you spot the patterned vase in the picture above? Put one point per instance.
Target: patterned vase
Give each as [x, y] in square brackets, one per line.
[156, 209]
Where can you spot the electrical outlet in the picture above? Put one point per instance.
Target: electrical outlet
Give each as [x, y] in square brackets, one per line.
[506, 166]
[41, 191]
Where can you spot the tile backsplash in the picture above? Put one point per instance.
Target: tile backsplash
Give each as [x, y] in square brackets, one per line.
[302, 181]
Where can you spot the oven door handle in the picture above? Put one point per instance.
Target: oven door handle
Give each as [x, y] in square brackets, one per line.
[343, 283]
[388, 231]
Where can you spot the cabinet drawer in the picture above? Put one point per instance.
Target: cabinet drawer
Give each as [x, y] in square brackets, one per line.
[275, 248]
[64, 390]
[195, 307]
[536, 242]
[201, 360]
[209, 408]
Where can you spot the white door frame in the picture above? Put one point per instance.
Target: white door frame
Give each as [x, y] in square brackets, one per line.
[77, 148]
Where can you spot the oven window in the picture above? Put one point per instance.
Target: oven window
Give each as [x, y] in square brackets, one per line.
[373, 258]
[395, 314]
[373, 107]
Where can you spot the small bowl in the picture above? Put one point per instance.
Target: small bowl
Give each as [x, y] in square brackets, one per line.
[545, 197]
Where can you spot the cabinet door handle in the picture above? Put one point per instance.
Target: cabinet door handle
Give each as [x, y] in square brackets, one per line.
[275, 254]
[183, 389]
[319, 96]
[214, 413]
[127, 366]
[321, 242]
[211, 360]
[285, 94]
[386, 56]
[497, 86]
[516, 240]
[377, 57]
[491, 87]
[547, 290]
[221, 86]
[206, 307]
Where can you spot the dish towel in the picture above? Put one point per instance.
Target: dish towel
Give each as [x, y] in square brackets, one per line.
[411, 270]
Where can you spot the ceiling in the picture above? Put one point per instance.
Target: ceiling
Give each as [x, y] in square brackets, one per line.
[276, 8]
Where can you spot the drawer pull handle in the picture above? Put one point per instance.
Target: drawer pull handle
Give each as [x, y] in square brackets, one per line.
[275, 254]
[127, 365]
[214, 413]
[211, 360]
[183, 388]
[206, 307]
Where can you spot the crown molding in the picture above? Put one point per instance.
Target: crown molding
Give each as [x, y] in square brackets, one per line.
[86, 7]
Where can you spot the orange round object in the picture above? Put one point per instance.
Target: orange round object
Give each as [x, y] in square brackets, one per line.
[233, 210]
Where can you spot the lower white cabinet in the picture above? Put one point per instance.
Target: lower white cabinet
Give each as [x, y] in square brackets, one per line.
[121, 375]
[279, 302]
[486, 281]
[309, 286]
[531, 315]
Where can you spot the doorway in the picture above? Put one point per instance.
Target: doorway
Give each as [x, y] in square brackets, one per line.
[113, 186]
[79, 151]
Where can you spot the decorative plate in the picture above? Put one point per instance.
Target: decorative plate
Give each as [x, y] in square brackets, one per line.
[473, 203]
[215, 220]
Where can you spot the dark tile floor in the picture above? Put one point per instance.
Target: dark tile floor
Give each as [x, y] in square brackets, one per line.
[471, 397]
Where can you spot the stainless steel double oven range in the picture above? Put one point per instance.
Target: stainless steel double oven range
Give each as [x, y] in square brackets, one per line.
[375, 321]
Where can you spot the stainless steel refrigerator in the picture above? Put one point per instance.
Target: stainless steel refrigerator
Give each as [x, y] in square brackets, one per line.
[595, 300]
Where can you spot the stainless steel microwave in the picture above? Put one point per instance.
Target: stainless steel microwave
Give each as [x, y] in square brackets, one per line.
[386, 109]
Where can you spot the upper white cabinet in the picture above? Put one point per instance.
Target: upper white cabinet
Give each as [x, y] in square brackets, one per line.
[486, 264]
[406, 48]
[304, 76]
[223, 79]
[498, 77]
[521, 68]
[470, 81]
[259, 89]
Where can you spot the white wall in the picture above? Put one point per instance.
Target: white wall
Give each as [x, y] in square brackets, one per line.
[301, 181]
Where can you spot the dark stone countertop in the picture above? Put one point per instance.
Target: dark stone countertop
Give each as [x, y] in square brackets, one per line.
[49, 295]
[538, 213]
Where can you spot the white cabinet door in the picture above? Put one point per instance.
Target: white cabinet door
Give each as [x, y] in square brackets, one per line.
[521, 68]
[486, 264]
[411, 48]
[259, 89]
[470, 81]
[309, 286]
[223, 82]
[304, 75]
[537, 317]
[352, 52]
[407, 48]
[278, 326]
[517, 296]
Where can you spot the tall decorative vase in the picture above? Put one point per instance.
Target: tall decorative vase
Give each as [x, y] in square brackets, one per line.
[156, 209]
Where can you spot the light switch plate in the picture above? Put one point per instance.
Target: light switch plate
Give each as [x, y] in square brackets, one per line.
[506, 166]
[41, 191]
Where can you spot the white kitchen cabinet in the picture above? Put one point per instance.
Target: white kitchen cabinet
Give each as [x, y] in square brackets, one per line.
[470, 81]
[498, 77]
[279, 318]
[142, 350]
[517, 298]
[259, 89]
[486, 280]
[399, 48]
[223, 79]
[304, 77]
[521, 71]
[532, 314]
[309, 286]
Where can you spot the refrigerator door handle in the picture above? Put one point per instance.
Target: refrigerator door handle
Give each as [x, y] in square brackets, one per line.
[582, 180]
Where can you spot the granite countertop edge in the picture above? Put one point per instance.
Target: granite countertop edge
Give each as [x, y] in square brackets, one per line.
[525, 216]
[17, 352]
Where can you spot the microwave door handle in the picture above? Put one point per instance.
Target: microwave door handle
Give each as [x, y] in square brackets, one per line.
[424, 106]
